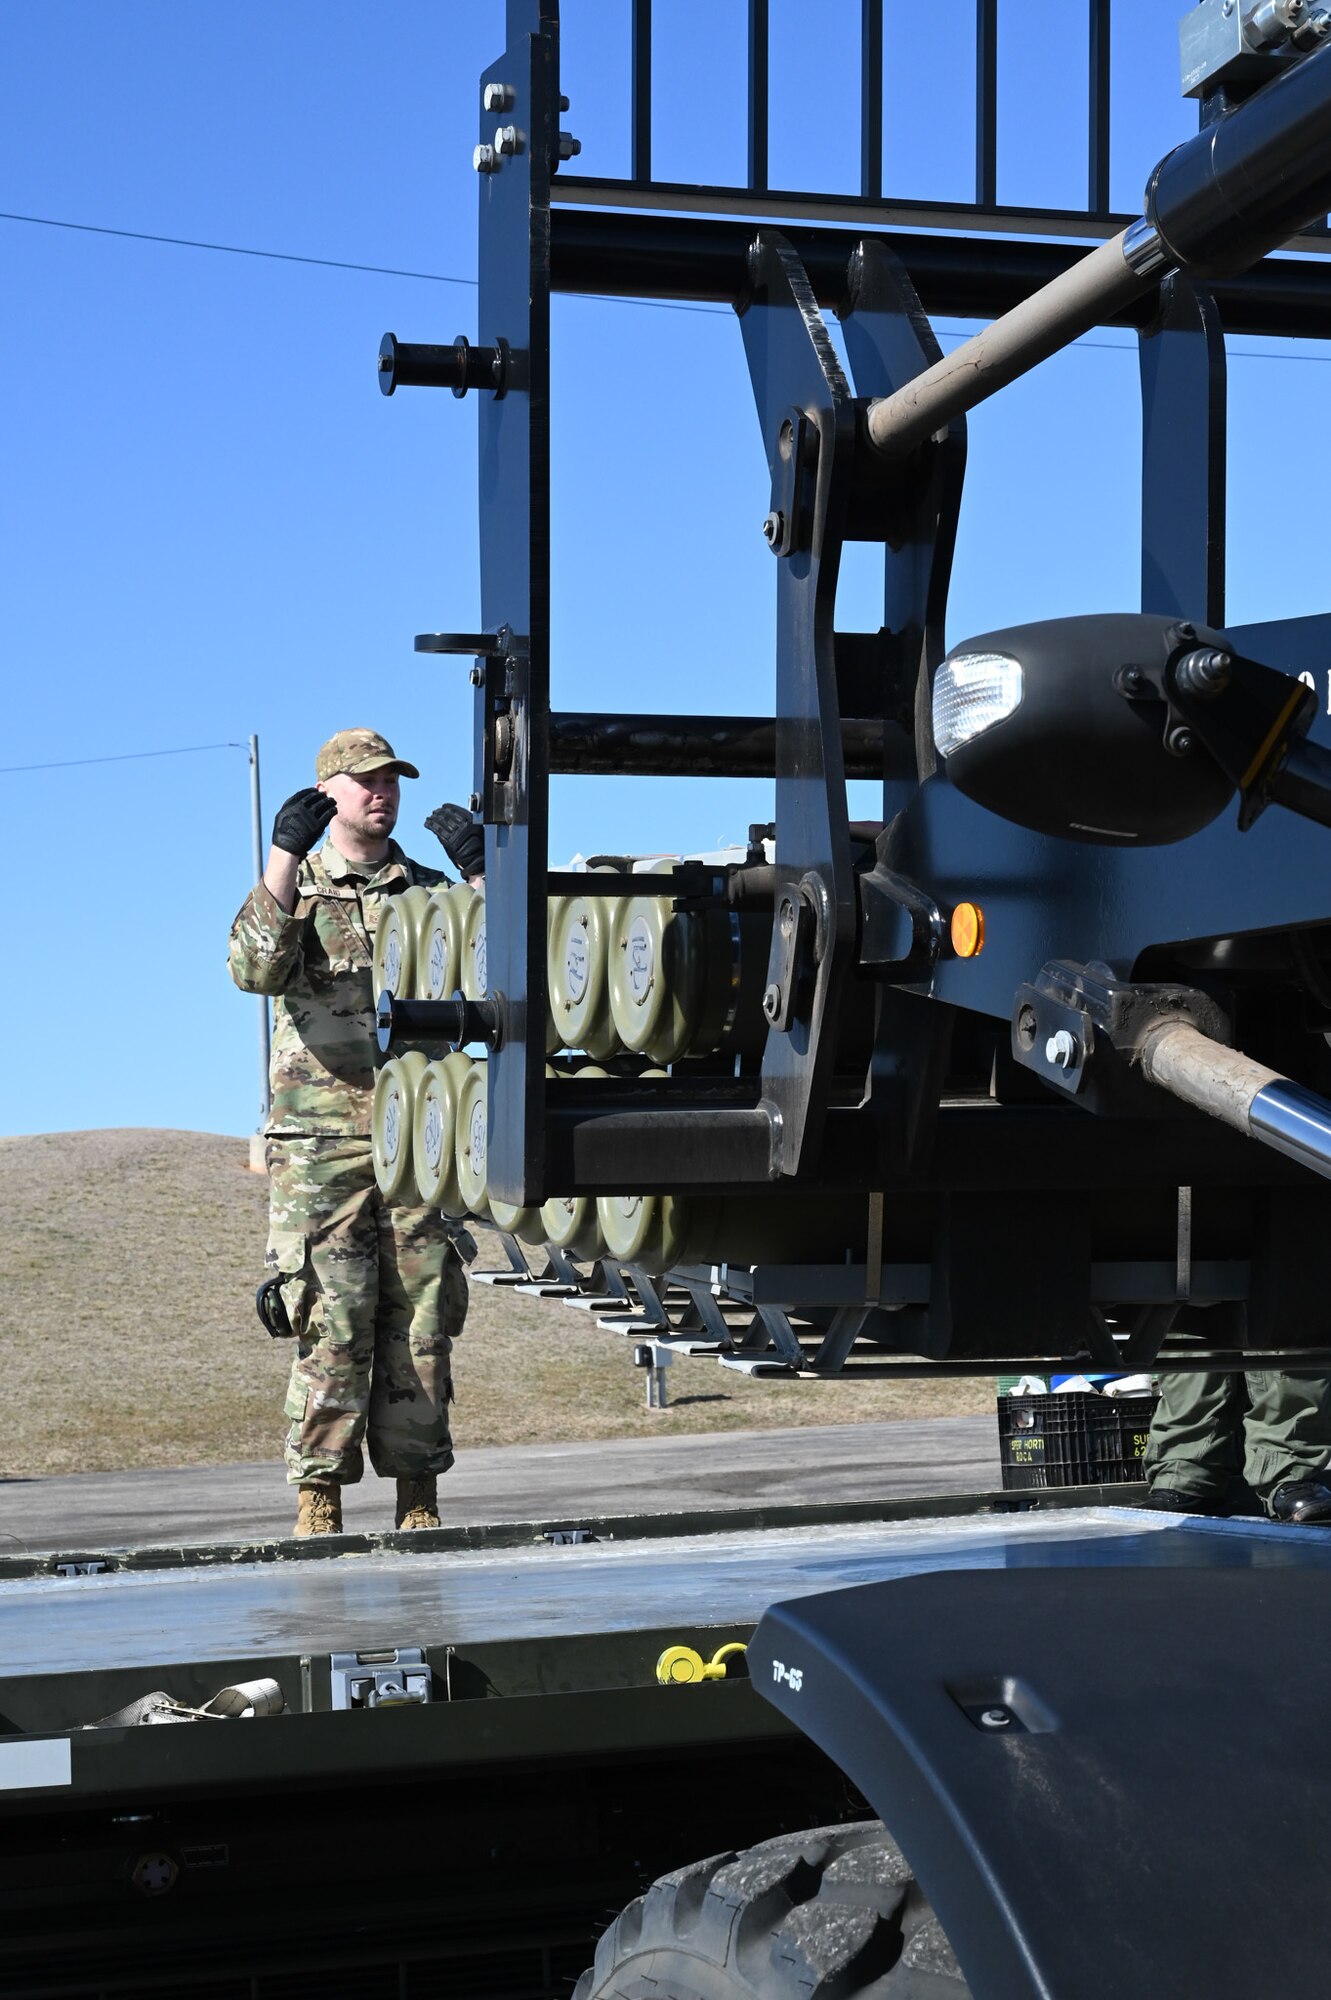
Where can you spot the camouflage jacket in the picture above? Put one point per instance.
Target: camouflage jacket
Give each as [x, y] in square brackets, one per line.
[317, 963]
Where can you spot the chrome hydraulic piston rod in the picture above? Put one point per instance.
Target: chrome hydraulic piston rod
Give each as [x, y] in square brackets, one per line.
[1214, 207]
[1231, 1087]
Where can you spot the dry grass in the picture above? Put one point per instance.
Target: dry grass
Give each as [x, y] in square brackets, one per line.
[128, 1263]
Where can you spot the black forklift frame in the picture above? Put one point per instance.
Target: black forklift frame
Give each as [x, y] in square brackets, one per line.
[861, 696]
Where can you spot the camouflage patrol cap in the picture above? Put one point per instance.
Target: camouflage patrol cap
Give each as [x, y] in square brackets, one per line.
[358, 751]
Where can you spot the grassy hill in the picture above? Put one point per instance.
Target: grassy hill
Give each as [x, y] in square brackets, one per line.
[128, 1264]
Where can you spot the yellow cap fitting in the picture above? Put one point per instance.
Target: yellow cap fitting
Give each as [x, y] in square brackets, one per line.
[679, 1665]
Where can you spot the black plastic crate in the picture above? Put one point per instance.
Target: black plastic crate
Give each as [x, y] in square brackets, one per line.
[1072, 1439]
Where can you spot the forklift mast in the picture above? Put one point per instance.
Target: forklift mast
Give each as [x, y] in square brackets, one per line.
[1080, 1092]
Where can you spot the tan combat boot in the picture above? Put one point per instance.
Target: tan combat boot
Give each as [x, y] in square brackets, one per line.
[318, 1510]
[417, 1502]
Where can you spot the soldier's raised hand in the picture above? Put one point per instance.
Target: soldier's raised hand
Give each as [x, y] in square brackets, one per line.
[302, 820]
[463, 841]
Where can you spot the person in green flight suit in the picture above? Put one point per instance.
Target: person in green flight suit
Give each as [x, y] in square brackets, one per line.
[1210, 1431]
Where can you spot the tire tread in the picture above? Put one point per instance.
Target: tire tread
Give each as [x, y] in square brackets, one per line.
[831, 1914]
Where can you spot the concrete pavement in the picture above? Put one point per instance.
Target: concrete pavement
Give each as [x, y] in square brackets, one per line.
[555, 1483]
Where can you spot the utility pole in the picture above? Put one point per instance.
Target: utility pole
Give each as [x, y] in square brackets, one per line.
[265, 1031]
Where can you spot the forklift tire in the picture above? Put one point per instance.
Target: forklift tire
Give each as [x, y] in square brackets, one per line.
[807, 1916]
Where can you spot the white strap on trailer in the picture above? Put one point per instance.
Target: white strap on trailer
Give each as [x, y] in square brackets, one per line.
[243, 1701]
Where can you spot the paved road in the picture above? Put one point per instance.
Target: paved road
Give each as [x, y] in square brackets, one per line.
[550, 1483]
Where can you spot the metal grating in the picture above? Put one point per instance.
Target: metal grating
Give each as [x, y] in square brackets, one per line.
[871, 200]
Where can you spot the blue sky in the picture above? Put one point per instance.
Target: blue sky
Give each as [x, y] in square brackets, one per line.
[213, 523]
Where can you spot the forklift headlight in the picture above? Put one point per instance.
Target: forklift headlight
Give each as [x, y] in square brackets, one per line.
[972, 692]
[1064, 726]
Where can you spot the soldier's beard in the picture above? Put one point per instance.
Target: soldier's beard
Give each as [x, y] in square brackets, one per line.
[366, 835]
[369, 831]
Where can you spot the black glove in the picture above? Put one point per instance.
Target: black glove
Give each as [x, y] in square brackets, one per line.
[462, 840]
[302, 819]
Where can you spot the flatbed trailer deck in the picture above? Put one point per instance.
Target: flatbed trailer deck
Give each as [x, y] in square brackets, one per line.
[474, 1841]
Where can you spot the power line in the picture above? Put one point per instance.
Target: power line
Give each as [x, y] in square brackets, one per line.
[295, 257]
[655, 305]
[235, 249]
[1129, 347]
[124, 757]
[448, 278]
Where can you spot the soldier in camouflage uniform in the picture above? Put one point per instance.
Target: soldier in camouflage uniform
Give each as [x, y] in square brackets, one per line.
[374, 1294]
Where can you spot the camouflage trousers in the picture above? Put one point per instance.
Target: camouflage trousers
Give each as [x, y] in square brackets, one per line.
[375, 1296]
